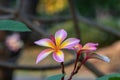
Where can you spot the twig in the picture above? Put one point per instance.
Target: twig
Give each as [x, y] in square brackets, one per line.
[75, 65]
[78, 67]
[63, 70]
[35, 27]
[18, 4]
[4, 64]
[7, 17]
[104, 28]
[6, 9]
[93, 69]
[92, 23]
[52, 20]
[80, 64]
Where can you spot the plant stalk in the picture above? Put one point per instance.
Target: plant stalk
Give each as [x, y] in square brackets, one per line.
[63, 70]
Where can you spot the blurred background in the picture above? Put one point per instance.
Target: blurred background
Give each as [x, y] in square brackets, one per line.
[90, 20]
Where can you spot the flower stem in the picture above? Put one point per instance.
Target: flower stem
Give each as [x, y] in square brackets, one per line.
[80, 64]
[63, 70]
[72, 73]
[75, 71]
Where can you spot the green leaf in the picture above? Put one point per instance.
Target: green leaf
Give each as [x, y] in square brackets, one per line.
[56, 77]
[11, 25]
[114, 78]
[110, 77]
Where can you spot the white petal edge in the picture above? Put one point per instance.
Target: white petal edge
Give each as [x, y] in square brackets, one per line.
[102, 57]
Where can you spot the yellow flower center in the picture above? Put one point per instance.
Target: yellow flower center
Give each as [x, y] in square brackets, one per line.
[57, 48]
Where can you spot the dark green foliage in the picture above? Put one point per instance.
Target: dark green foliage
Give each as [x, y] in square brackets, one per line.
[114, 78]
[110, 77]
[89, 7]
[55, 77]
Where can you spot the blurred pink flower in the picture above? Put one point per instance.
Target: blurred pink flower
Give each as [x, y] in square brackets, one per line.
[55, 45]
[13, 42]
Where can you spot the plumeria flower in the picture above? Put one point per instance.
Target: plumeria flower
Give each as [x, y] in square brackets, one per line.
[55, 45]
[88, 50]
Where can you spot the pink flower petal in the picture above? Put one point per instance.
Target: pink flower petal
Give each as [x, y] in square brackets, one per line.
[70, 43]
[78, 47]
[43, 54]
[58, 56]
[45, 42]
[90, 46]
[60, 35]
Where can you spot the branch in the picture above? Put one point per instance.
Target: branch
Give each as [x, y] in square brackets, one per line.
[94, 24]
[93, 69]
[50, 21]
[74, 18]
[18, 4]
[7, 17]
[24, 67]
[7, 10]
[34, 27]
[63, 70]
